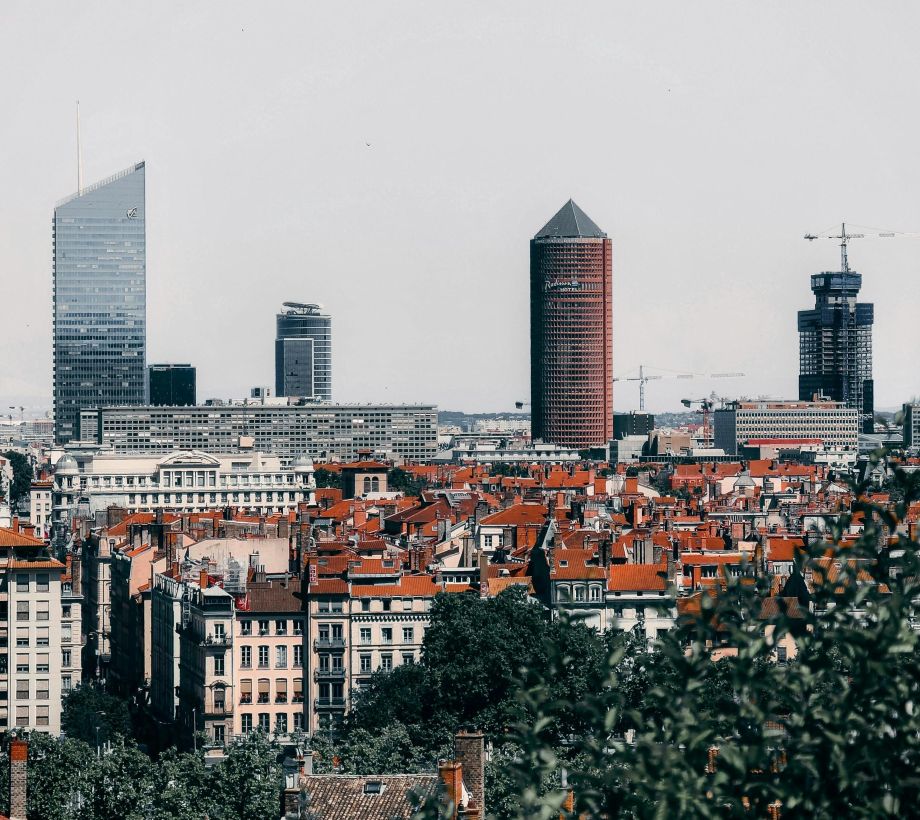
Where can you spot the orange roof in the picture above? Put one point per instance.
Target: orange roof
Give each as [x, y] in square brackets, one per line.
[644, 577]
[517, 515]
[415, 586]
[38, 563]
[11, 538]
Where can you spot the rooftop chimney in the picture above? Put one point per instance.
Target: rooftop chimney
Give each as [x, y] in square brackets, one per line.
[469, 749]
[19, 756]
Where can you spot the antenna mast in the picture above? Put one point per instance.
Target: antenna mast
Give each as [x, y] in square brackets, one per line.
[79, 155]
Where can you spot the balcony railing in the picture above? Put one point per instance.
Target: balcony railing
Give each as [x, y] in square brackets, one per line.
[329, 674]
[330, 703]
[329, 643]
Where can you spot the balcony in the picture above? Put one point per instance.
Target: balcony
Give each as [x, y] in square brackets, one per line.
[246, 698]
[217, 641]
[218, 710]
[329, 703]
[328, 674]
[329, 643]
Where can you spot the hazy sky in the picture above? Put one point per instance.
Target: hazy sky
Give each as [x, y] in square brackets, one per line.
[705, 138]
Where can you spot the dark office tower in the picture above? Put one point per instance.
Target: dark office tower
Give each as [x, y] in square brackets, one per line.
[571, 331]
[303, 352]
[100, 299]
[171, 385]
[632, 424]
[835, 344]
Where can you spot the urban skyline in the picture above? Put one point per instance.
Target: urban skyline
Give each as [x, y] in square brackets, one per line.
[715, 244]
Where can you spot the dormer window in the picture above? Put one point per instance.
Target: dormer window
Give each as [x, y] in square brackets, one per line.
[373, 787]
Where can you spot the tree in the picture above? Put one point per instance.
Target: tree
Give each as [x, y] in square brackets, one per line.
[399, 480]
[180, 787]
[247, 783]
[21, 484]
[327, 478]
[92, 715]
[61, 778]
[123, 784]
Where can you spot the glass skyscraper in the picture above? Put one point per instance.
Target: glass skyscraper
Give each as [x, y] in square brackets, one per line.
[303, 352]
[100, 298]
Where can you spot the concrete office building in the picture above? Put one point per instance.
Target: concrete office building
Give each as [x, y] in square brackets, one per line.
[288, 429]
[171, 385]
[835, 344]
[99, 298]
[571, 331]
[303, 352]
[831, 422]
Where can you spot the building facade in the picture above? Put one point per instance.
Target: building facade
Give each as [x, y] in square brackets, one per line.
[303, 352]
[395, 432]
[185, 481]
[30, 629]
[171, 385]
[833, 423]
[571, 331]
[99, 298]
[835, 345]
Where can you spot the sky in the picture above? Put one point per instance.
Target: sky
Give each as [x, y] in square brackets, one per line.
[392, 160]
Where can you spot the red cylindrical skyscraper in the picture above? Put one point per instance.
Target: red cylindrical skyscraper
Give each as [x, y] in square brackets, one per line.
[571, 331]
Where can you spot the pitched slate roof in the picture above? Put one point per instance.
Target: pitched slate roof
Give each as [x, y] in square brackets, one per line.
[570, 222]
[342, 797]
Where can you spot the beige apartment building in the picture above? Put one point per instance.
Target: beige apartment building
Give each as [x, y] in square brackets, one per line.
[30, 635]
[268, 654]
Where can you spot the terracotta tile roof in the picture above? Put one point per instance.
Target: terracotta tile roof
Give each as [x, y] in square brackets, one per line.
[367, 465]
[517, 515]
[329, 586]
[343, 797]
[500, 584]
[409, 586]
[636, 577]
[783, 549]
[38, 563]
[699, 559]
[11, 538]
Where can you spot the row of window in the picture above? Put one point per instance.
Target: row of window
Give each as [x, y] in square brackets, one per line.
[280, 626]
[264, 657]
[263, 722]
[263, 691]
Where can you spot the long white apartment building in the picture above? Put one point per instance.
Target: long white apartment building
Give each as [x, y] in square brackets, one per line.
[92, 479]
[833, 423]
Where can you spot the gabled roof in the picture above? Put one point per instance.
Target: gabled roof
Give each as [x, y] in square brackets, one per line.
[635, 577]
[570, 221]
[390, 797]
[517, 515]
[11, 538]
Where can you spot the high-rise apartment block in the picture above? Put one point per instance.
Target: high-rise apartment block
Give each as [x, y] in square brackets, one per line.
[100, 299]
[835, 344]
[571, 331]
[171, 385]
[303, 352]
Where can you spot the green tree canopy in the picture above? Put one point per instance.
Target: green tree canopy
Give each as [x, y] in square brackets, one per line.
[92, 715]
[22, 476]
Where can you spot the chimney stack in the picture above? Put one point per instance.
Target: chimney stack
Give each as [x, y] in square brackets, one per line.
[19, 756]
[470, 751]
[451, 775]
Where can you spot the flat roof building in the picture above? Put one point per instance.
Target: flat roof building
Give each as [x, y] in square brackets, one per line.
[288, 429]
[303, 352]
[741, 422]
[171, 385]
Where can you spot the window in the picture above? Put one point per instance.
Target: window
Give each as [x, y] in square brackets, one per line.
[281, 627]
[264, 685]
[579, 593]
[386, 662]
[298, 721]
[41, 612]
[386, 634]
[408, 634]
[246, 724]
[281, 723]
[66, 633]
[66, 683]
[387, 604]
[65, 658]
[22, 636]
[264, 721]
[42, 715]
[41, 636]
[219, 730]
[246, 690]
[365, 634]
[22, 690]
[22, 610]
[42, 663]
[366, 664]
[595, 593]
[408, 658]
[324, 663]
[365, 604]
[246, 657]
[281, 694]
[298, 690]
[263, 657]
[219, 665]
[298, 657]
[41, 689]
[65, 611]
[219, 631]
[41, 582]
[280, 657]
[22, 663]
[22, 582]
[22, 715]
[263, 627]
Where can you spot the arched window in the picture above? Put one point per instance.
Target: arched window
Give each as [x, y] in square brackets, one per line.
[375, 484]
[579, 593]
[595, 593]
[367, 485]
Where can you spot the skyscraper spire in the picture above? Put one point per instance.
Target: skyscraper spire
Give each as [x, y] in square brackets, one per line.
[79, 155]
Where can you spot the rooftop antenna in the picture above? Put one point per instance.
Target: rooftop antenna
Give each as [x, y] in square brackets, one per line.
[79, 155]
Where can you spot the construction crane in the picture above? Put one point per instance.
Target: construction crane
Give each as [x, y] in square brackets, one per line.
[643, 379]
[845, 237]
[706, 406]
